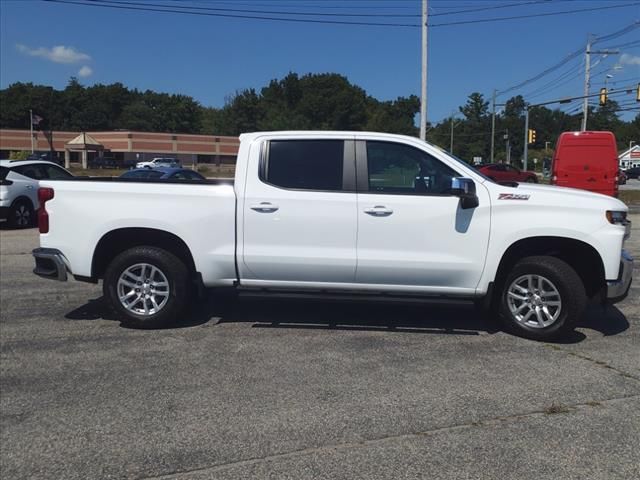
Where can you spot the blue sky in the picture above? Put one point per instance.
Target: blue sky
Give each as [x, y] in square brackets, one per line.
[210, 58]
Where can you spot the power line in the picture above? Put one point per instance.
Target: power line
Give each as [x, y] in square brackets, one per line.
[542, 74]
[569, 57]
[181, 10]
[239, 10]
[563, 79]
[493, 7]
[229, 15]
[548, 14]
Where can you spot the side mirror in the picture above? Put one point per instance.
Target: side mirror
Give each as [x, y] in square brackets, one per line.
[465, 189]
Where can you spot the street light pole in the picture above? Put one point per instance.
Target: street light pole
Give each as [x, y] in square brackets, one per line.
[31, 127]
[451, 143]
[493, 123]
[526, 137]
[423, 93]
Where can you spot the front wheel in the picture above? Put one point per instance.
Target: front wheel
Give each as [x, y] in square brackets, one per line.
[543, 298]
[146, 286]
[532, 179]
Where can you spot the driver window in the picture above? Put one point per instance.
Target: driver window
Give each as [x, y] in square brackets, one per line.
[401, 169]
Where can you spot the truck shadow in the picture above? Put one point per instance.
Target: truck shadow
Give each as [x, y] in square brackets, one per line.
[422, 317]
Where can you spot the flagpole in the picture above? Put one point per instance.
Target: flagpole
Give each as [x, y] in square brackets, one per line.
[31, 125]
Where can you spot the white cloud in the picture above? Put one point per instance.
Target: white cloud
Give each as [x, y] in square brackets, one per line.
[57, 54]
[85, 71]
[627, 59]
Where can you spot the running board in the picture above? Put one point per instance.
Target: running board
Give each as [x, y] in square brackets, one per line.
[252, 293]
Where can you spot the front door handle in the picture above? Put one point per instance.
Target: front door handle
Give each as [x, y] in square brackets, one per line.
[378, 211]
[265, 207]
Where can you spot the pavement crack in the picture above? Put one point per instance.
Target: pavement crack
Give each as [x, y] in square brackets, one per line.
[599, 363]
[551, 410]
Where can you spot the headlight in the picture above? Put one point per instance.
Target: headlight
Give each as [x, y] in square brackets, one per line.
[617, 218]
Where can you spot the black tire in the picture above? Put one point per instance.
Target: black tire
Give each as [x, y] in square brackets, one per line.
[571, 292]
[22, 214]
[169, 265]
[532, 180]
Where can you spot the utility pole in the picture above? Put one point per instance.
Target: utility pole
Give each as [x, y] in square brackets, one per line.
[587, 78]
[587, 68]
[423, 93]
[526, 137]
[493, 123]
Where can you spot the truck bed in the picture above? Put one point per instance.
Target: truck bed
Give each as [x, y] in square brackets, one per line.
[201, 213]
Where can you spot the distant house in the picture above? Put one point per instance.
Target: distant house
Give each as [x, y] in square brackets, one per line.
[630, 158]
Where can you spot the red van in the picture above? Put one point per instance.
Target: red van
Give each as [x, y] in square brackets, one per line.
[586, 160]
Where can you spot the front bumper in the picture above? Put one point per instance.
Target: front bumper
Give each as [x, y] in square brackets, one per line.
[50, 264]
[617, 290]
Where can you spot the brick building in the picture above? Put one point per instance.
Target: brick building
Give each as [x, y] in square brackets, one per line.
[126, 147]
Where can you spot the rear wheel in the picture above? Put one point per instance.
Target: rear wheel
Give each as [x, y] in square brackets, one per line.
[146, 286]
[542, 298]
[22, 214]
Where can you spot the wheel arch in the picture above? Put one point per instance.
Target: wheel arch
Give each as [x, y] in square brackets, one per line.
[119, 240]
[22, 198]
[581, 256]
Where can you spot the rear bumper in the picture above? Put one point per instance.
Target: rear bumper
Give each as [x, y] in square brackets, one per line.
[50, 264]
[4, 213]
[617, 290]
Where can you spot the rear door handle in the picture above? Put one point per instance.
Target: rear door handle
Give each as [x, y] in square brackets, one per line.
[378, 211]
[265, 207]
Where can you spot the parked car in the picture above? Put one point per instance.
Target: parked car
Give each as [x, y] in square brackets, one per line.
[586, 160]
[633, 172]
[19, 188]
[160, 162]
[163, 172]
[103, 162]
[340, 213]
[502, 172]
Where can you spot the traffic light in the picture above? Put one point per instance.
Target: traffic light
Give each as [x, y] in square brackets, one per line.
[531, 136]
[603, 97]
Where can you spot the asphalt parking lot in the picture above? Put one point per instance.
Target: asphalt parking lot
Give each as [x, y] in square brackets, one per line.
[293, 390]
[632, 184]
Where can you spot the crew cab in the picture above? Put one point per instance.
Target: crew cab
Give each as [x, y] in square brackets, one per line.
[340, 213]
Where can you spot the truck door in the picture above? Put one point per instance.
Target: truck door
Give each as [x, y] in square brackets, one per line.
[412, 232]
[299, 212]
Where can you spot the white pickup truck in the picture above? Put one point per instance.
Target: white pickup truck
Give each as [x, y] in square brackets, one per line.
[345, 213]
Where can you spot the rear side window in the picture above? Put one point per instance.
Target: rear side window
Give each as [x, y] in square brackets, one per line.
[34, 171]
[56, 173]
[305, 164]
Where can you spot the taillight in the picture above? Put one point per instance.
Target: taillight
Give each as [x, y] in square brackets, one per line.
[44, 195]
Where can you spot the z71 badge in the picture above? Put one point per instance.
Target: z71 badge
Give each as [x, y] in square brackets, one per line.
[513, 196]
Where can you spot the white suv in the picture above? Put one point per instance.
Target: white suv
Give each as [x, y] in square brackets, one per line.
[19, 181]
[159, 162]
